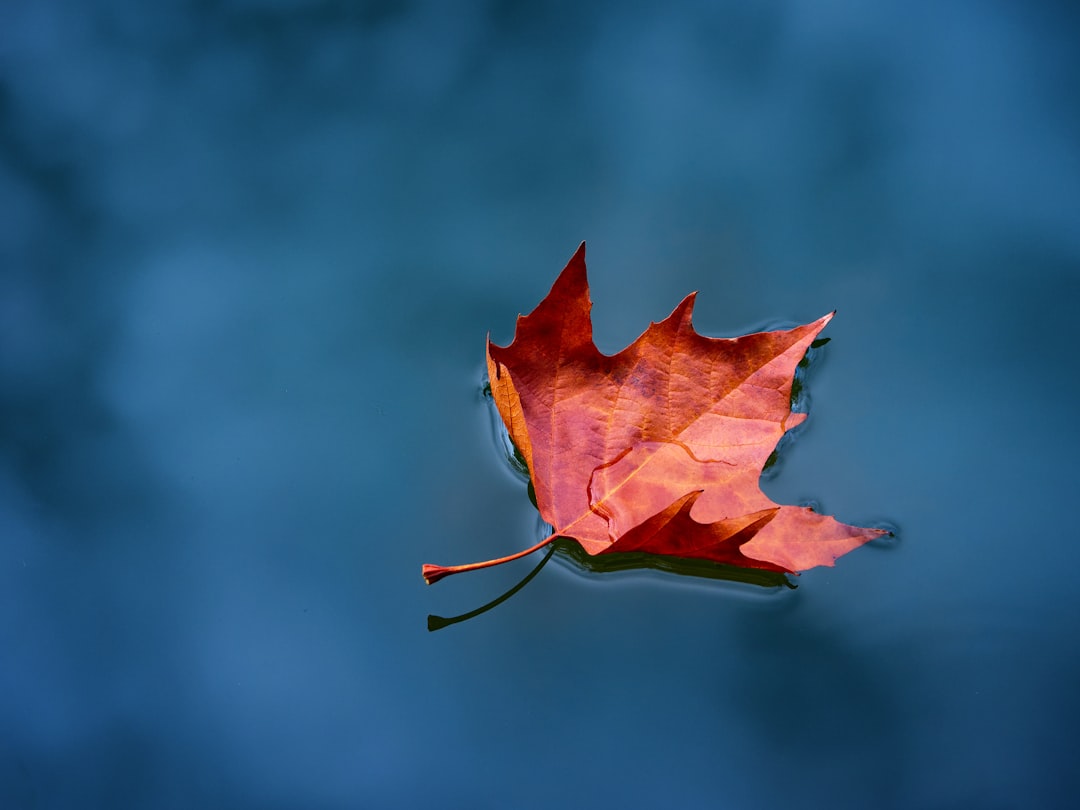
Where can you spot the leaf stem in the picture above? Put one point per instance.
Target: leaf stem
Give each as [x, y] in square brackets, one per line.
[439, 622]
[433, 573]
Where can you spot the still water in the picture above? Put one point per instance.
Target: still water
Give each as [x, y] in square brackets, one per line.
[250, 255]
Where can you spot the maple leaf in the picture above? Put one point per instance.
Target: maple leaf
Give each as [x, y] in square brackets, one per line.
[658, 448]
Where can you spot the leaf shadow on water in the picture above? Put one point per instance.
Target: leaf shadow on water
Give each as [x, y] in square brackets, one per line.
[439, 622]
[703, 569]
[607, 563]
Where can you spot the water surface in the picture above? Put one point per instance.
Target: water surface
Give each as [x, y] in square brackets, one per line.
[251, 252]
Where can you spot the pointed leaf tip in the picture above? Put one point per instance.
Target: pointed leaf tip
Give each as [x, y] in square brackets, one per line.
[685, 311]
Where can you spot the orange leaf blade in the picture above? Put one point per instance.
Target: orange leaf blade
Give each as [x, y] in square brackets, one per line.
[659, 447]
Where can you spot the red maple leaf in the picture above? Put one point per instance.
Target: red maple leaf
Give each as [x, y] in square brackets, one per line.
[660, 447]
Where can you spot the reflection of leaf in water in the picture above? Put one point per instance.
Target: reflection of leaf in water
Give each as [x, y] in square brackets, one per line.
[628, 561]
[638, 560]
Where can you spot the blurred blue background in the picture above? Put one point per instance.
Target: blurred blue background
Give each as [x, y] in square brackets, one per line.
[249, 254]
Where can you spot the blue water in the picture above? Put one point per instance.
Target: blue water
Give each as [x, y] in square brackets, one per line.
[249, 255]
